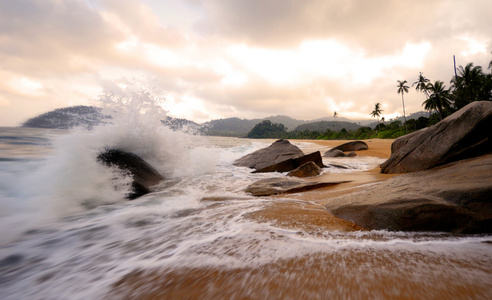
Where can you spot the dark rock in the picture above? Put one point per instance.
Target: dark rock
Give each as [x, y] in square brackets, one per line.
[334, 153]
[453, 198]
[338, 153]
[351, 146]
[351, 154]
[464, 134]
[293, 163]
[144, 175]
[273, 186]
[308, 169]
[279, 151]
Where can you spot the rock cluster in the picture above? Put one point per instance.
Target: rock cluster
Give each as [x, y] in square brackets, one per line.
[449, 182]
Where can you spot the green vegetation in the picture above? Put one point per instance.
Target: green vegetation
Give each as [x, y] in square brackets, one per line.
[267, 129]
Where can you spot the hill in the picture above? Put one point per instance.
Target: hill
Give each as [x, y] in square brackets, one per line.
[322, 126]
[68, 117]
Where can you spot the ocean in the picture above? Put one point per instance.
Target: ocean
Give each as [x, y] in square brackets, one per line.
[68, 233]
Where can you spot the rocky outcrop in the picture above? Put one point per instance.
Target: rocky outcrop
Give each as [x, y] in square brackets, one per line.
[283, 185]
[464, 134]
[277, 152]
[144, 175]
[308, 169]
[293, 163]
[456, 197]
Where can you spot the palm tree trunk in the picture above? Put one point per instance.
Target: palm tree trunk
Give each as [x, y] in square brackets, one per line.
[404, 117]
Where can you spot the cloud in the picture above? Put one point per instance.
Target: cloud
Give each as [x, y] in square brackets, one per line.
[240, 58]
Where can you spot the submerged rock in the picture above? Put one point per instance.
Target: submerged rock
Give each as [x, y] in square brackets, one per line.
[464, 134]
[308, 169]
[282, 185]
[293, 163]
[144, 175]
[453, 198]
[280, 150]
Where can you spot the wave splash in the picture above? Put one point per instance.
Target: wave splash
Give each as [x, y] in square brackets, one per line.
[70, 179]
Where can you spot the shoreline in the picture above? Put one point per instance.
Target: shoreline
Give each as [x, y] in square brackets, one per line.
[306, 211]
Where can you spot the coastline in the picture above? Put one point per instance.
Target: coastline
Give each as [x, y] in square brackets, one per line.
[305, 211]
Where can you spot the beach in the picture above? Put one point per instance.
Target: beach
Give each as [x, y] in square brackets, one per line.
[346, 273]
[68, 232]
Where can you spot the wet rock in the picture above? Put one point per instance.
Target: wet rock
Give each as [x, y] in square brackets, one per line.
[351, 146]
[334, 153]
[144, 175]
[279, 151]
[464, 134]
[339, 153]
[452, 198]
[282, 185]
[308, 169]
[293, 163]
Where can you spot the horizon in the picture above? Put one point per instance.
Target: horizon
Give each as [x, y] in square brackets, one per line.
[245, 59]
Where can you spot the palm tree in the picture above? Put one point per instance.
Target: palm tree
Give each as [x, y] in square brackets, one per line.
[490, 63]
[467, 85]
[376, 113]
[335, 115]
[439, 98]
[402, 88]
[421, 84]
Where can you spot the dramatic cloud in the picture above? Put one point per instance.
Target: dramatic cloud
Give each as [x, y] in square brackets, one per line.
[243, 58]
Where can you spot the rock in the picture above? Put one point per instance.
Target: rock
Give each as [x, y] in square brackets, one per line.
[351, 154]
[452, 198]
[279, 151]
[293, 163]
[334, 153]
[144, 175]
[464, 134]
[338, 153]
[282, 185]
[351, 146]
[308, 169]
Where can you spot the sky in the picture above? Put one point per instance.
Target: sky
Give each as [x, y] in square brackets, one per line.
[237, 58]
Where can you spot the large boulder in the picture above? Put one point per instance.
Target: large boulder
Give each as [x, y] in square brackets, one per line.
[279, 151]
[283, 185]
[308, 169]
[144, 175]
[456, 197]
[464, 134]
[293, 163]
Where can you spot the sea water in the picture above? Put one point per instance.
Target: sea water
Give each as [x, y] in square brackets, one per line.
[67, 232]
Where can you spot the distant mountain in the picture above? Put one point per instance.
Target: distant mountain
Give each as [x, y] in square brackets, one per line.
[241, 127]
[229, 127]
[401, 119]
[322, 126]
[88, 116]
[68, 117]
[181, 124]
